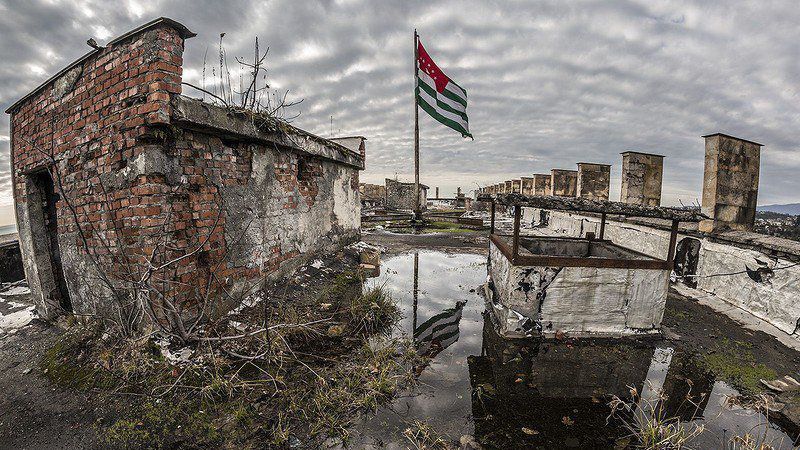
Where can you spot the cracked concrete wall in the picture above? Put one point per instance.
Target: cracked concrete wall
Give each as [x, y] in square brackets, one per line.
[641, 178]
[582, 300]
[564, 183]
[773, 298]
[594, 181]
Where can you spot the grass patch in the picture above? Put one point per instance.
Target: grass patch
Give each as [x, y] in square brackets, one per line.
[448, 227]
[272, 389]
[735, 363]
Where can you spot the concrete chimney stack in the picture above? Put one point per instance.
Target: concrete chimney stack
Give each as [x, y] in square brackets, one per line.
[564, 182]
[437, 191]
[541, 184]
[641, 178]
[730, 183]
[527, 185]
[594, 180]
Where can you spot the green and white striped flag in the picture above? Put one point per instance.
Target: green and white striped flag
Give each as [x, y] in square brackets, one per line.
[440, 96]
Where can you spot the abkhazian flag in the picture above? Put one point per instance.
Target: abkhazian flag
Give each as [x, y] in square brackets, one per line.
[440, 96]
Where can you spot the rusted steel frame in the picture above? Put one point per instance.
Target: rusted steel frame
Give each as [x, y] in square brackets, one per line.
[491, 227]
[607, 263]
[515, 242]
[602, 226]
[673, 237]
[569, 261]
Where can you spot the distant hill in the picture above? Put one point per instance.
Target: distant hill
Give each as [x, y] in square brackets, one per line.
[789, 208]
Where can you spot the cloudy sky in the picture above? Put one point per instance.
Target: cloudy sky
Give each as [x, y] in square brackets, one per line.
[549, 83]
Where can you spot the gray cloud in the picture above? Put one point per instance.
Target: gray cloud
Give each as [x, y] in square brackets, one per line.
[549, 83]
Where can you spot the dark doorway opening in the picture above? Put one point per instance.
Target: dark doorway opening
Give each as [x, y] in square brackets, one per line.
[43, 217]
[687, 252]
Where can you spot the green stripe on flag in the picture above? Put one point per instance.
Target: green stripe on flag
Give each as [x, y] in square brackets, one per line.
[443, 120]
[432, 92]
[454, 97]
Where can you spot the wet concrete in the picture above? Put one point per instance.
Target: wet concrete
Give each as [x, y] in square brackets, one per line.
[540, 393]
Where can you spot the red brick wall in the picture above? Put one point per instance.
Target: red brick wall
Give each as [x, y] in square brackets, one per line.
[113, 113]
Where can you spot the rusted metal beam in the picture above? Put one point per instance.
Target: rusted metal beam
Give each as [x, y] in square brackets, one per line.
[673, 237]
[594, 206]
[517, 213]
[602, 226]
[571, 261]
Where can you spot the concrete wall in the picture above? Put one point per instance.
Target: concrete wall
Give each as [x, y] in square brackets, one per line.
[594, 181]
[773, 299]
[581, 300]
[641, 178]
[564, 183]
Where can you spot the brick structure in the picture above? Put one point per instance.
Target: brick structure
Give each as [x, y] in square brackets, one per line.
[594, 180]
[400, 195]
[564, 183]
[641, 178]
[372, 194]
[114, 170]
[730, 183]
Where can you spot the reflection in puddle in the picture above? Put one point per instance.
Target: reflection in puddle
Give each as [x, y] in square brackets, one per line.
[533, 393]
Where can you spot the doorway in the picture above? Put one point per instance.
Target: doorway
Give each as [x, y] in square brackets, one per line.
[43, 218]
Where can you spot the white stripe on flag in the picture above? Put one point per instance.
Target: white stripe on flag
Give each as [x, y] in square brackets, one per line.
[425, 78]
[432, 102]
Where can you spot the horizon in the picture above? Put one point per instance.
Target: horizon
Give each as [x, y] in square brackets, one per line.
[532, 107]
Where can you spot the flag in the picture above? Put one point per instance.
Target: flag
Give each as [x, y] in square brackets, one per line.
[440, 96]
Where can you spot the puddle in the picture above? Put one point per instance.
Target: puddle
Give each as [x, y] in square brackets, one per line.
[536, 394]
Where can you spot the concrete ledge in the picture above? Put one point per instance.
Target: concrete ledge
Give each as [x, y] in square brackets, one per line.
[203, 116]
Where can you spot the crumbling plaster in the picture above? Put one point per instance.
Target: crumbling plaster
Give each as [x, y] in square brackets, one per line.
[773, 300]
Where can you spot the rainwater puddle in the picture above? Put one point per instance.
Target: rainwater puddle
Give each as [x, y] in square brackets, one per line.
[536, 394]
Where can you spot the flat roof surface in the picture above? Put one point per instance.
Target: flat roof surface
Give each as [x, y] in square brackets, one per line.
[731, 137]
[641, 153]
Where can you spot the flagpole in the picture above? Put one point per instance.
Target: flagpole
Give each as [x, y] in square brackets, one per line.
[417, 206]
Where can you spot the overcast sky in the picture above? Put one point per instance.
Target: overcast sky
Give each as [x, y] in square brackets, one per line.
[549, 83]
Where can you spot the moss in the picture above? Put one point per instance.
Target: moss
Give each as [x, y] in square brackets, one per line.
[734, 362]
[448, 227]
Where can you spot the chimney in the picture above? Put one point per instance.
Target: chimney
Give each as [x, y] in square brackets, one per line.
[564, 183]
[730, 183]
[541, 184]
[527, 185]
[594, 180]
[437, 191]
[641, 178]
[458, 191]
